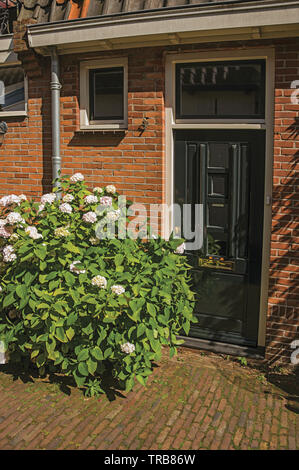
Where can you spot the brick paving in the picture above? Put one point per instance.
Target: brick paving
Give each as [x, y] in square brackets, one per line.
[191, 402]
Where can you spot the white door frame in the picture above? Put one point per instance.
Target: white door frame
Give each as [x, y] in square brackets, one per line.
[171, 124]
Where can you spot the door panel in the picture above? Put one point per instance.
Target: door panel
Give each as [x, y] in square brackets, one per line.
[224, 171]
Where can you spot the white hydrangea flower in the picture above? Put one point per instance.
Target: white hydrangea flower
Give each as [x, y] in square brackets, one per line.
[61, 232]
[68, 198]
[181, 249]
[3, 222]
[10, 199]
[110, 189]
[48, 198]
[91, 199]
[97, 190]
[112, 216]
[4, 201]
[77, 177]
[106, 201]
[75, 270]
[14, 218]
[9, 254]
[4, 233]
[99, 281]
[94, 241]
[90, 217]
[118, 290]
[33, 233]
[65, 208]
[127, 348]
[23, 197]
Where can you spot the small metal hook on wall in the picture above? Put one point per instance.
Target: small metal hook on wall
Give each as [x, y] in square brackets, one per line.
[144, 125]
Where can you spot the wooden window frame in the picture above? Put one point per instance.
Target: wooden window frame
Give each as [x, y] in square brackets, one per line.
[103, 124]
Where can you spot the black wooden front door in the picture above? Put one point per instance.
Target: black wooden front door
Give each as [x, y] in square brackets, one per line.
[224, 171]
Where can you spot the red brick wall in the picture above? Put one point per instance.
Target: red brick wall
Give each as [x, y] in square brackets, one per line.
[132, 161]
[283, 314]
[135, 161]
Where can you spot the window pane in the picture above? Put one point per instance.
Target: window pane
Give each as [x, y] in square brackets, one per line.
[217, 244]
[221, 89]
[12, 95]
[107, 94]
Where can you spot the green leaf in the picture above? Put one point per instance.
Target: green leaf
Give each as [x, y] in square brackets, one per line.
[80, 381]
[83, 369]
[97, 353]
[83, 355]
[70, 333]
[140, 329]
[92, 366]
[70, 278]
[118, 260]
[41, 252]
[72, 248]
[21, 291]
[8, 300]
[129, 384]
[141, 380]
[108, 353]
[42, 265]
[151, 309]
[60, 335]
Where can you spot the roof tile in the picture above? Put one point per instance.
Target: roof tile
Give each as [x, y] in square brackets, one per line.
[57, 10]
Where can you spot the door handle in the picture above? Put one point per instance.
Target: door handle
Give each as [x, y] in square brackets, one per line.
[215, 262]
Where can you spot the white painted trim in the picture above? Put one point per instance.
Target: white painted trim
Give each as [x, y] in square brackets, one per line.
[214, 125]
[13, 113]
[109, 31]
[268, 124]
[85, 66]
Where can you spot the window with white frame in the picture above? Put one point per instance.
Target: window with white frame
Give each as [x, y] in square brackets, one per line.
[12, 90]
[104, 94]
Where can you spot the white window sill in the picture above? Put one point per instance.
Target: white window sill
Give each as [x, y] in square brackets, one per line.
[106, 128]
[4, 114]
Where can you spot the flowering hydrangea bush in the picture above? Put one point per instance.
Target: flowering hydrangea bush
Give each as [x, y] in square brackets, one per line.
[79, 305]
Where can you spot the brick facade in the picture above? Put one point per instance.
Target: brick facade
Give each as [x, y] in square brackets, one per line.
[134, 160]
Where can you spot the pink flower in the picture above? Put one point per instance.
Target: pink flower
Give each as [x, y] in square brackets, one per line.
[75, 270]
[48, 198]
[90, 217]
[33, 233]
[181, 249]
[66, 208]
[9, 254]
[110, 189]
[4, 233]
[14, 218]
[106, 201]
[91, 199]
[77, 177]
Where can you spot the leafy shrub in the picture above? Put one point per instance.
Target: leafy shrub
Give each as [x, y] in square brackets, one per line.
[77, 305]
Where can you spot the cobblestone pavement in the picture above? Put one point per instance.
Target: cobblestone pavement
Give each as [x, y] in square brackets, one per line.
[193, 401]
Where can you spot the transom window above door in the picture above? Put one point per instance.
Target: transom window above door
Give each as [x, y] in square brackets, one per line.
[220, 90]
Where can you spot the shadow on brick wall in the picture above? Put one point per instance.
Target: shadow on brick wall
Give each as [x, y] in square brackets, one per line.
[283, 319]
